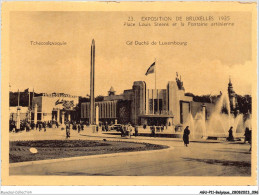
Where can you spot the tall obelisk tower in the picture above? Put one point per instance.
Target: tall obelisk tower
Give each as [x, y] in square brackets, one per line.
[92, 102]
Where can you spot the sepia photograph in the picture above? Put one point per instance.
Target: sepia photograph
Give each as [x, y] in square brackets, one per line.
[130, 93]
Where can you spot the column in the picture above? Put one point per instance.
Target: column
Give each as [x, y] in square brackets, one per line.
[103, 115]
[147, 102]
[108, 110]
[35, 113]
[92, 75]
[110, 105]
[105, 110]
[204, 111]
[115, 108]
[88, 111]
[204, 121]
[58, 116]
[63, 117]
[97, 115]
[29, 115]
[153, 111]
[111, 109]
[100, 110]
[18, 118]
[158, 101]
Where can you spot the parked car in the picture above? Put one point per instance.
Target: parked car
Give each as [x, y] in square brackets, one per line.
[116, 127]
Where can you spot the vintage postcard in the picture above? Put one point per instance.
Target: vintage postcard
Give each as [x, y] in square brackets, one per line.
[129, 93]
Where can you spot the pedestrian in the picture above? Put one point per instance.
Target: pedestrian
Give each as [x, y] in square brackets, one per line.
[45, 126]
[106, 126]
[57, 124]
[121, 130]
[40, 126]
[129, 129]
[124, 130]
[13, 127]
[153, 131]
[162, 128]
[32, 125]
[250, 140]
[247, 133]
[136, 130]
[78, 128]
[186, 134]
[67, 131]
[27, 127]
[37, 125]
[74, 126]
[82, 126]
[230, 134]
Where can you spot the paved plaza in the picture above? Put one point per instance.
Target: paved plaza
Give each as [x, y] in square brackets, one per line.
[201, 158]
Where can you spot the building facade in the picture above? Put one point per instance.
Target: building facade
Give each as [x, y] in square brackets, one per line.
[57, 107]
[139, 105]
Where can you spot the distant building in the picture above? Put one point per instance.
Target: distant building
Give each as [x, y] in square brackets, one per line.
[140, 105]
[51, 107]
[24, 113]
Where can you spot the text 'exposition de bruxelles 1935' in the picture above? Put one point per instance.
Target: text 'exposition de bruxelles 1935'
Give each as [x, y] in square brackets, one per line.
[190, 21]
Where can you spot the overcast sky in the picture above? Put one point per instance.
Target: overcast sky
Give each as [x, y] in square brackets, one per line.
[211, 54]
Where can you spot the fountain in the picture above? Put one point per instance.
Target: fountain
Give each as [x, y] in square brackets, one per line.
[218, 123]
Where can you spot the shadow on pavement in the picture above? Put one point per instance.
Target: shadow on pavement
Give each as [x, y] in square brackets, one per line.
[233, 151]
[221, 162]
[153, 138]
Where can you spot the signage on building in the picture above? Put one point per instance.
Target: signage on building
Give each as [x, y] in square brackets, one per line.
[58, 95]
[65, 104]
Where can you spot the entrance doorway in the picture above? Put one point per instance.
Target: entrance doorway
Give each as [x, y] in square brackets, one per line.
[185, 109]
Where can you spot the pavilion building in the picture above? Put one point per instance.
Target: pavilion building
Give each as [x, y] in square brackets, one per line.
[139, 105]
[54, 107]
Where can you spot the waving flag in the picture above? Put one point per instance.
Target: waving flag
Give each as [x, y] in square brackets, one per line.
[59, 102]
[151, 69]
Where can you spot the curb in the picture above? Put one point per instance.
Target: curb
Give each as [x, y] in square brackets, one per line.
[19, 164]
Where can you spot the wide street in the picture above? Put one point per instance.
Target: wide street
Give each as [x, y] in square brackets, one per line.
[201, 158]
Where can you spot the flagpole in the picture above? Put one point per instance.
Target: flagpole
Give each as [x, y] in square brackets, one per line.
[18, 98]
[29, 105]
[154, 90]
[151, 70]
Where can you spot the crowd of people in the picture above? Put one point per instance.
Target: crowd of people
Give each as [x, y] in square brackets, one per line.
[42, 125]
[248, 136]
[125, 130]
[75, 126]
[26, 125]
